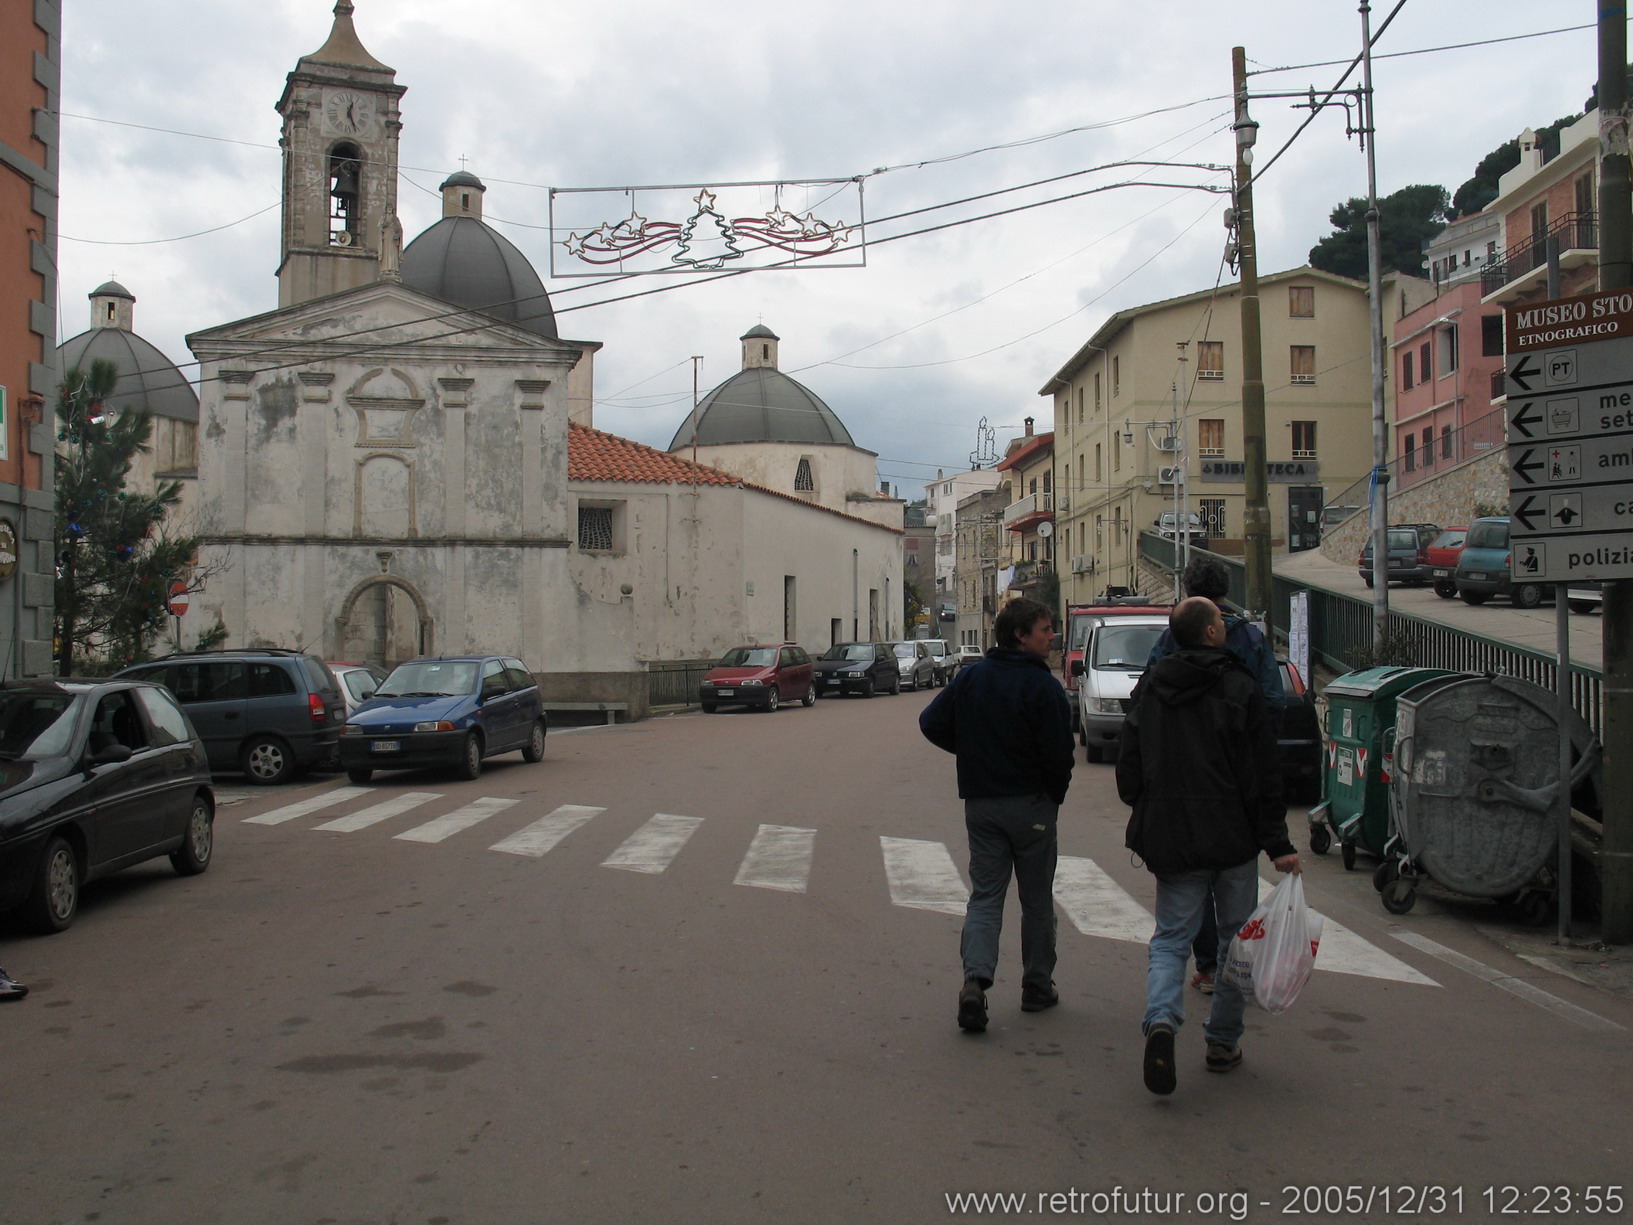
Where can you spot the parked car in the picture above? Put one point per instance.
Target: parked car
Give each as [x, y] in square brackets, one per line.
[941, 654]
[1408, 545]
[967, 655]
[1167, 524]
[1483, 570]
[357, 682]
[1585, 597]
[762, 676]
[1443, 551]
[446, 710]
[269, 713]
[1113, 660]
[914, 662]
[95, 776]
[1299, 739]
[1333, 515]
[866, 668]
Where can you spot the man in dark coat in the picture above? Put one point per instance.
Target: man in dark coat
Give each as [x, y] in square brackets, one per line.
[1199, 767]
[1006, 719]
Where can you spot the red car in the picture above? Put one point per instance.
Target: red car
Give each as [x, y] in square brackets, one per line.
[762, 676]
[1443, 552]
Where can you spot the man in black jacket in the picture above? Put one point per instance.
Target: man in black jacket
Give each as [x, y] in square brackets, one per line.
[1006, 719]
[1199, 768]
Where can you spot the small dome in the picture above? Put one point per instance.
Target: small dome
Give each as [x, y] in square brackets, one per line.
[762, 404]
[111, 289]
[463, 178]
[147, 378]
[467, 262]
[759, 332]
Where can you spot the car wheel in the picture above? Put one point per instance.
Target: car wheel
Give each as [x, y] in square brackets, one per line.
[470, 757]
[1474, 597]
[810, 696]
[266, 760]
[193, 856]
[1446, 591]
[54, 901]
[897, 687]
[709, 708]
[359, 775]
[867, 688]
[1367, 579]
[535, 743]
[771, 701]
[1581, 606]
[1527, 595]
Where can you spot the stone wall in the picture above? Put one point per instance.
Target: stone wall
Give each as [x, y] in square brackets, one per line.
[1447, 498]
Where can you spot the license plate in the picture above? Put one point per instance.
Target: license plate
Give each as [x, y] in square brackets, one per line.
[831, 684]
[1479, 578]
[722, 693]
[386, 746]
[1442, 573]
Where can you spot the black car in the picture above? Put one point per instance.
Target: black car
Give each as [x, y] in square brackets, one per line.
[268, 712]
[1408, 556]
[1299, 740]
[866, 668]
[95, 776]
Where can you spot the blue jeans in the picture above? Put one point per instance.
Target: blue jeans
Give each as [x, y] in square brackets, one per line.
[1010, 834]
[1181, 899]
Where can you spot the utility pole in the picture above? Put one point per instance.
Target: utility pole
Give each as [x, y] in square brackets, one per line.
[1616, 272]
[1378, 524]
[1256, 471]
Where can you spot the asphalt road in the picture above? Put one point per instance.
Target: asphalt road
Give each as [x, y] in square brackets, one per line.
[703, 969]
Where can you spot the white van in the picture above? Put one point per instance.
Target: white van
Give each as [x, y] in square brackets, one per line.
[941, 652]
[1113, 660]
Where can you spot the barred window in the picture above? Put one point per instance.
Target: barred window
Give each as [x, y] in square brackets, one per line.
[1210, 359]
[802, 475]
[595, 528]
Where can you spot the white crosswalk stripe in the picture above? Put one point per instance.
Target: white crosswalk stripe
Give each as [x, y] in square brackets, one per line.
[303, 807]
[1098, 905]
[382, 811]
[922, 875]
[459, 819]
[653, 847]
[541, 837]
[778, 858]
[1343, 952]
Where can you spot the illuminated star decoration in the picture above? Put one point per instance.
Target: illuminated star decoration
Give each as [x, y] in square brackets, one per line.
[614, 242]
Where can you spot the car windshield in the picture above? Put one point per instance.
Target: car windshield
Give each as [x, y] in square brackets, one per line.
[429, 679]
[1449, 539]
[749, 657]
[1487, 536]
[1125, 647]
[359, 684]
[37, 725]
[1080, 631]
[906, 650]
[849, 650]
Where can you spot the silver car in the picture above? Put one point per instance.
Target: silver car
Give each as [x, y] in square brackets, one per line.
[918, 666]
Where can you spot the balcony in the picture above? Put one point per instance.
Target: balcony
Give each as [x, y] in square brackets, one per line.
[1029, 512]
[1524, 266]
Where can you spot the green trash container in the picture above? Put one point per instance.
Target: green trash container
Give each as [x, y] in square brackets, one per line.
[1354, 807]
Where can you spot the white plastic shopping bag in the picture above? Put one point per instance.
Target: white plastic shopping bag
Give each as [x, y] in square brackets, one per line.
[1271, 957]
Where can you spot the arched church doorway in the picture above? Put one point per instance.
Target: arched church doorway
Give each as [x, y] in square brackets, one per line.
[385, 622]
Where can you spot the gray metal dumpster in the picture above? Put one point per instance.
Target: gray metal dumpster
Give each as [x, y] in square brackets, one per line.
[1472, 795]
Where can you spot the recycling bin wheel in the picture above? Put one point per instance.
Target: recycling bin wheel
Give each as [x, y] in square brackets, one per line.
[1399, 896]
[1347, 849]
[1383, 874]
[1321, 839]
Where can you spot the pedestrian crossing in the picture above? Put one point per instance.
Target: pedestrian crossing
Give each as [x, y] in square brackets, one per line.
[919, 874]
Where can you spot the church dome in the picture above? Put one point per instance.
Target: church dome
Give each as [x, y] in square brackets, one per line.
[147, 378]
[762, 404]
[465, 261]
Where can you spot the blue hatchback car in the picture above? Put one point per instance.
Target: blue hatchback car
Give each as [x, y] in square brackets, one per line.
[449, 710]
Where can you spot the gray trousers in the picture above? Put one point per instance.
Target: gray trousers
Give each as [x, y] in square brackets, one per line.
[1011, 835]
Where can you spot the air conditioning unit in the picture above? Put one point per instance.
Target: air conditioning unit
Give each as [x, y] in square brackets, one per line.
[1174, 475]
[1171, 441]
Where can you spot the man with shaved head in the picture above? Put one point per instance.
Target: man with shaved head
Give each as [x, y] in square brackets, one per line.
[1200, 770]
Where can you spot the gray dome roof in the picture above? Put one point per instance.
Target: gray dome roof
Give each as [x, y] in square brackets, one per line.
[111, 289]
[147, 378]
[759, 332]
[467, 262]
[762, 405]
[462, 178]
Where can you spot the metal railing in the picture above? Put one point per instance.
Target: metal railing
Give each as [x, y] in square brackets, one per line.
[1032, 504]
[1577, 232]
[1341, 637]
[675, 682]
[1476, 437]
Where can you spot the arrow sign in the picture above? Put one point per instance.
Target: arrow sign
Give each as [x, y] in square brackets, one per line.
[1523, 420]
[1524, 465]
[1523, 370]
[1525, 510]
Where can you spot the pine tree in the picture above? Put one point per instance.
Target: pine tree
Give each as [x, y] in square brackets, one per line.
[115, 562]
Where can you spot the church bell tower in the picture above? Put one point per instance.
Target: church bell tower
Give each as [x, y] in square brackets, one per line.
[340, 128]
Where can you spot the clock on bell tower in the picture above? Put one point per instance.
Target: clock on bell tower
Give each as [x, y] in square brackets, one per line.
[340, 129]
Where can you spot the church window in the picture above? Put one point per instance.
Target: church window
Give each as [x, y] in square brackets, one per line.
[803, 480]
[345, 195]
[595, 528]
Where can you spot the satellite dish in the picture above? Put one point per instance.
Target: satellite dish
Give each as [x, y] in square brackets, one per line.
[1046, 529]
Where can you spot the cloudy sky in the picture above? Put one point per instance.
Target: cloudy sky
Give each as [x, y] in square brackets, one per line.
[170, 164]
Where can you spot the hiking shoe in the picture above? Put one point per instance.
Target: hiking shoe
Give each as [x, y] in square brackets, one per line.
[1035, 998]
[1159, 1060]
[972, 1008]
[1223, 1058]
[1202, 982]
[10, 988]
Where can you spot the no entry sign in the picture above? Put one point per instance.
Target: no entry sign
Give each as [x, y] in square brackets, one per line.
[178, 598]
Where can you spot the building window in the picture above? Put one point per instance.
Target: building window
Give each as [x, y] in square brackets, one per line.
[1428, 447]
[1406, 371]
[1096, 393]
[1302, 363]
[1411, 458]
[1303, 439]
[1210, 359]
[802, 475]
[1301, 301]
[1491, 336]
[1212, 511]
[1585, 195]
[1425, 374]
[1445, 442]
[1448, 350]
[1210, 436]
[595, 528]
[1116, 375]
[1539, 219]
[1097, 472]
[1080, 406]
